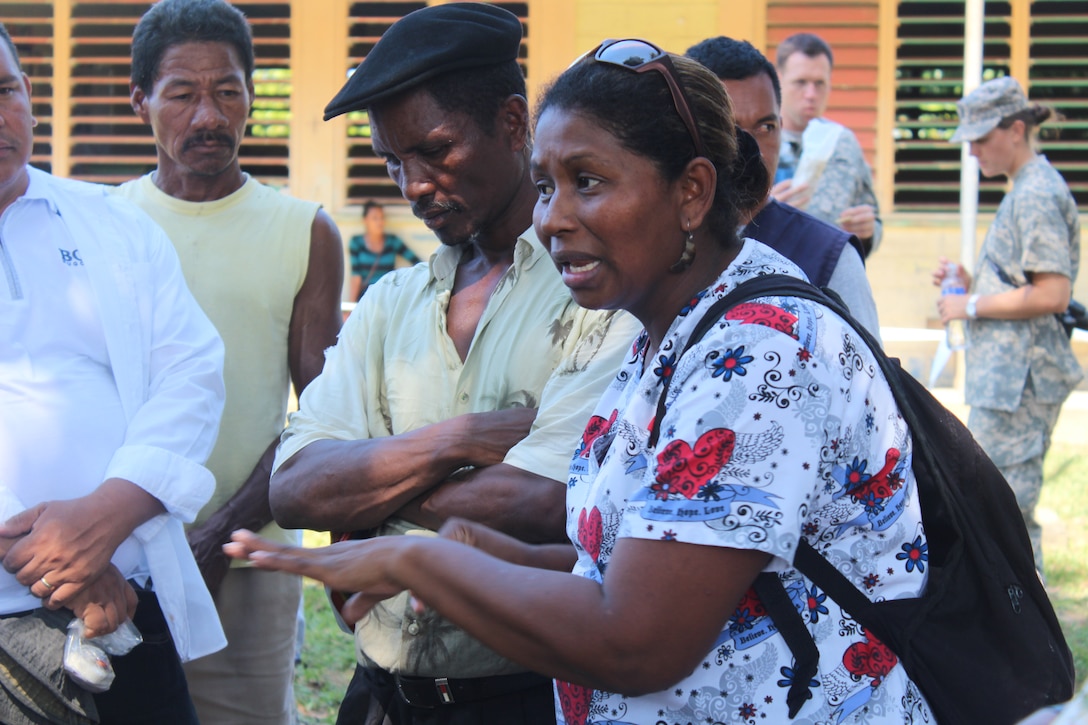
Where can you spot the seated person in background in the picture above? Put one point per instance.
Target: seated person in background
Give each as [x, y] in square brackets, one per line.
[658, 622]
[374, 253]
[830, 256]
[837, 183]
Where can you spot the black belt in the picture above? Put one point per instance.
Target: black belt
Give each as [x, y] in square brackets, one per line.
[433, 692]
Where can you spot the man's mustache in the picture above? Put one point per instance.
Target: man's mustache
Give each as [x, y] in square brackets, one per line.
[434, 207]
[209, 137]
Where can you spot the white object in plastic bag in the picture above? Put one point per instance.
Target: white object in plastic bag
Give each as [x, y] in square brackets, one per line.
[817, 145]
[87, 661]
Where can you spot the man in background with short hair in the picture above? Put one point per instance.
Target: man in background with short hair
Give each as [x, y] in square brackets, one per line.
[833, 181]
[830, 256]
[268, 271]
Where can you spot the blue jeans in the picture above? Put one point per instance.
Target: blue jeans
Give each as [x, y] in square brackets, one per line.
[150, 688]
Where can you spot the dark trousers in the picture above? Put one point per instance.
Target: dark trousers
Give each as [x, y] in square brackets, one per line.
[372, 696]
[150, 688]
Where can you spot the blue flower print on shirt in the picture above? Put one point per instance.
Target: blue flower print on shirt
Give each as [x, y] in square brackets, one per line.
[815, 605]
[732, 361]
[692, 303]
[788, 676]
[872, 504]
[666, 366]
[915, 554]
[711, 491]
[855, 473]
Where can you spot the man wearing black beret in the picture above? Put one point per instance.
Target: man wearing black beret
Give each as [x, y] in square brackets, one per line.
[459, 387]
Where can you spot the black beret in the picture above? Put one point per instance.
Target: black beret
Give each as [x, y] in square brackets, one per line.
[425, 43]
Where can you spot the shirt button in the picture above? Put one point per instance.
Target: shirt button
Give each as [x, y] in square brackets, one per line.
[413, 628]
[464, 397]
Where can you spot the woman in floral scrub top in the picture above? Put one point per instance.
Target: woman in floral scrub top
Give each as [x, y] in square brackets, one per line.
[778, 426]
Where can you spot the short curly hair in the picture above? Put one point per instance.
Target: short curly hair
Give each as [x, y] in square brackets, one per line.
[171, 22]
[734, 60]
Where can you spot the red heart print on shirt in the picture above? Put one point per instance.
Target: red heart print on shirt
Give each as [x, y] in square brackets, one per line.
[574, 701]
[683, 470]
[589, 531]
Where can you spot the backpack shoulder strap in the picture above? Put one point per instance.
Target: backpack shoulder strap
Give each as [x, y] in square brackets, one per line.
[715, 312]
[806, 657]
[749, 289]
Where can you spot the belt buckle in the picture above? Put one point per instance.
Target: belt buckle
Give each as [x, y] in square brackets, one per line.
[445, 694]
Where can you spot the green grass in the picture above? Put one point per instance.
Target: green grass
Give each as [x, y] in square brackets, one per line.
[1063, 511]
[328, 657]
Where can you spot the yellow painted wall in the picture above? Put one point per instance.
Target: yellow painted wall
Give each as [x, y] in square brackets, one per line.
[900, 272]
[675, 26]
[561, 31]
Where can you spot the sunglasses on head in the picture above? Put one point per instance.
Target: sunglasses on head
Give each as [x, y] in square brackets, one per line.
[641, 56]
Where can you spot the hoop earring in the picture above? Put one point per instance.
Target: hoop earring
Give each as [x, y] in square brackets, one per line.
[687, 256]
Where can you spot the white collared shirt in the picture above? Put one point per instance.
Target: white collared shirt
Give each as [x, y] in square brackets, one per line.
[111, 325]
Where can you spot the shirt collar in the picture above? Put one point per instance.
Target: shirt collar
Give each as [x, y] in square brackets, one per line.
[528, 251]
[38, 188]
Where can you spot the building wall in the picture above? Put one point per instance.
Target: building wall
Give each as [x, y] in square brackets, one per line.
[851, 28]
[674, 26]
[862, 32]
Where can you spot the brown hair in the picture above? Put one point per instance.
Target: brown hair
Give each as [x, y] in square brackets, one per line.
[808, 43]
[1032, 116]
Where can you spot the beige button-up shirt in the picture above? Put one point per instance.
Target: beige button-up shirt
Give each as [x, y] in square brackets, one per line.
[395, 369]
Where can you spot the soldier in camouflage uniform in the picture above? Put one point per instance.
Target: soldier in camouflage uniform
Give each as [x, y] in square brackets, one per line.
[843, 193]
[1020, 366]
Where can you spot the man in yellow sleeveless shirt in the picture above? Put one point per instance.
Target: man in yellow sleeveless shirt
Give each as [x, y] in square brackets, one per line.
[268, 270]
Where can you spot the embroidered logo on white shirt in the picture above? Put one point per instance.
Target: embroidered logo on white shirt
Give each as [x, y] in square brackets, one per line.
[71, 258]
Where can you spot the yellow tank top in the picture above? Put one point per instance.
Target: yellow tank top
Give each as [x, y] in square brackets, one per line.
[244, 258]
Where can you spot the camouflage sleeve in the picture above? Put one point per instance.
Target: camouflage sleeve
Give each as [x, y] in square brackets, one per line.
[1042, 229]
[847, 181]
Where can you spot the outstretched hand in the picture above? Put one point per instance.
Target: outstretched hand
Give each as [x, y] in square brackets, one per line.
[349, 566]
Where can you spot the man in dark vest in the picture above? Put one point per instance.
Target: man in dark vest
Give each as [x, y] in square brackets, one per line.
[829, 256]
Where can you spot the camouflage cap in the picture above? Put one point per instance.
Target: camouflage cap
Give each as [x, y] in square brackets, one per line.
[985, 107]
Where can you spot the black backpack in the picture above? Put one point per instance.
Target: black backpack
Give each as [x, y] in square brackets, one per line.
[982, 642]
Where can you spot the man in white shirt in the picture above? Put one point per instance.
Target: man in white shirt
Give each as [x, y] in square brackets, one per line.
[110, 395]
[833, 181]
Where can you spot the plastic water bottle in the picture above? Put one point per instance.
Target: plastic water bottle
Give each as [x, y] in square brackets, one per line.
[953, 285]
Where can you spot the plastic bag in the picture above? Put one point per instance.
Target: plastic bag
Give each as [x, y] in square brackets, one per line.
[87, 661]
